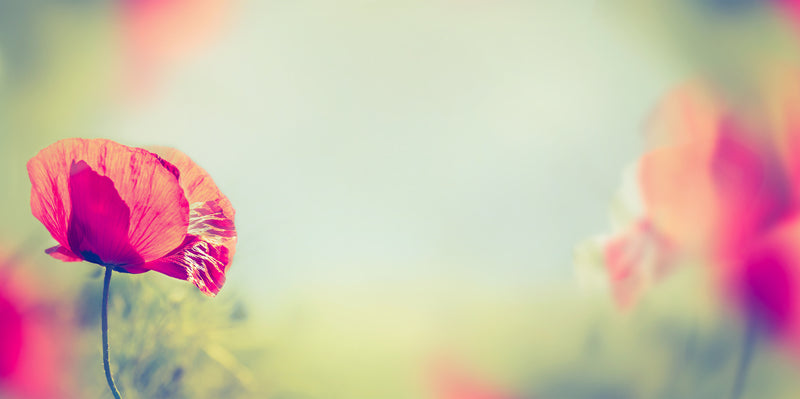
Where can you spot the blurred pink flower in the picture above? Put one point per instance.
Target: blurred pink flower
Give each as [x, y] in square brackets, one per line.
[34, 343]
[451, 381]
[791, 9]
[714, 179]
[722, 184]
[159, 33]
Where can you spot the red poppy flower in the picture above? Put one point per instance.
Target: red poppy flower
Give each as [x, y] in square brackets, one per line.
[133, 210]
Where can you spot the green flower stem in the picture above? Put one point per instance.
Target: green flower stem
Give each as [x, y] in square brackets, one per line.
[106, 366]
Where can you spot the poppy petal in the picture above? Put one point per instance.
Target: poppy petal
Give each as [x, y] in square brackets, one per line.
[63, 254]
[196, 182]
[98, 226]
[159, 211]
[50, 202]
[208, 221]
[200, 262]
[212, 215]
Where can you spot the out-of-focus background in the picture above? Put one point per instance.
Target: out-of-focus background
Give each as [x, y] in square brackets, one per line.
[414, 181]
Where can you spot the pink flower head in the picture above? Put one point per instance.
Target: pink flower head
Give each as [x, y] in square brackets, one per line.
[714, 179]
[722, 185]
[133, 210]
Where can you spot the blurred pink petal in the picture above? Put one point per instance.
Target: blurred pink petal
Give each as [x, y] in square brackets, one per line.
[160, 33]
[713, 184]
[35, 356]
[451, 381]
[634, 260]
[791, 8]
[677, 187]
[764, 282]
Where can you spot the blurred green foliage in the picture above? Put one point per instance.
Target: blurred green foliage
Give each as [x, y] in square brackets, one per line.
[732, 43]
[167, 340]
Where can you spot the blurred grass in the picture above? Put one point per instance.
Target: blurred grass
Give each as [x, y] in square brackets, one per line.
[167, 340]
[170, 341]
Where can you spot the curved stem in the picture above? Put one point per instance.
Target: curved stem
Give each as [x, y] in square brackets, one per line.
[106, 366]
[746, 358]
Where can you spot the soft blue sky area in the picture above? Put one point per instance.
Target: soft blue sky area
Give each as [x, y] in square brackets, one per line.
[369, 143]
